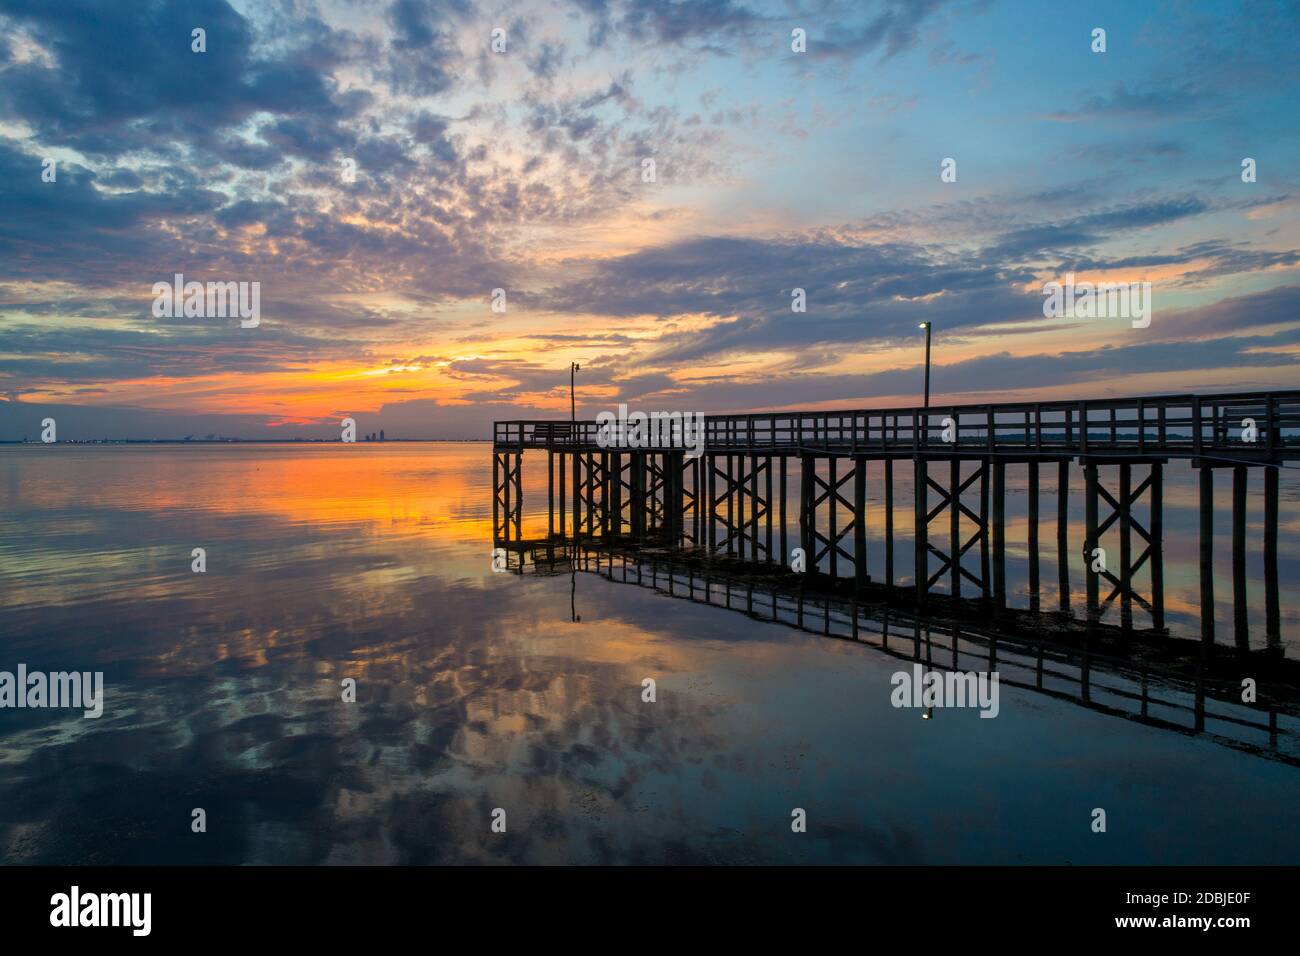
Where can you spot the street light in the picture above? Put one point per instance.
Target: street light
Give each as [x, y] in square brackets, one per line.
[573, 407]
[928, 329]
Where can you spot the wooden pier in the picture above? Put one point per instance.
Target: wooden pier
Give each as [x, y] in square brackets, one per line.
[730, 498]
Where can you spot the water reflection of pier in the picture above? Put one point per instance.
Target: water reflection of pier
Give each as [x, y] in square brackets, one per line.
[1177, 685]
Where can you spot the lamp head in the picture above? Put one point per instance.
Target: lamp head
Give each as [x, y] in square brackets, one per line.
[924, 325]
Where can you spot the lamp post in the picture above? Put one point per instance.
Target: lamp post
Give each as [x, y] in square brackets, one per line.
[928, 330]
[573, 407]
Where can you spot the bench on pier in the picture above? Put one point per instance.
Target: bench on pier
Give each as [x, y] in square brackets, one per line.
[549, 432]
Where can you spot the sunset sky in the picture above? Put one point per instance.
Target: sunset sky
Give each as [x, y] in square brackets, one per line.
[523, 170]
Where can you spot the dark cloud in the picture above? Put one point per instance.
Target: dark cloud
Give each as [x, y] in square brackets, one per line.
[854, 292]
[1223, 259]
[69, 229]
[673, 21]
[546, 62]
[1125, 103]
[1035, 241]
[35, 357]
[1235, 314]
[892, 28]
[125, 77]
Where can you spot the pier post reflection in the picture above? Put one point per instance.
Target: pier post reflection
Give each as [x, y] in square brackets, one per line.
[1185, 690]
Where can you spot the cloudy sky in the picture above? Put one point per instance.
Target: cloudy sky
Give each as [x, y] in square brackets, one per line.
[526, 171]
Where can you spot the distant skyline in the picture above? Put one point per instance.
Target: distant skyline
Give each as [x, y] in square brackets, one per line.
[379, 170]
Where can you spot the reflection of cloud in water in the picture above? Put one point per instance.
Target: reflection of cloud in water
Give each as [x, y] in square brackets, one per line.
[477, 691]
[243, 717]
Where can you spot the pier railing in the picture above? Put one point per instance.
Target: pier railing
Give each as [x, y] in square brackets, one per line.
[1249, 425]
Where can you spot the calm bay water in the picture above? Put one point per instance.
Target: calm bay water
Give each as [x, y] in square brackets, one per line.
[478, 691]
